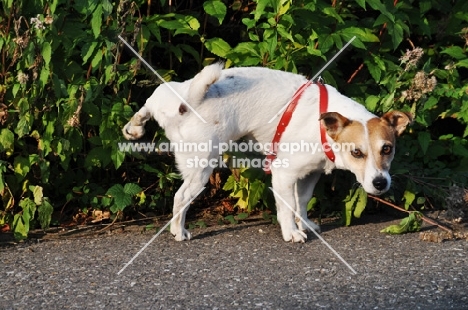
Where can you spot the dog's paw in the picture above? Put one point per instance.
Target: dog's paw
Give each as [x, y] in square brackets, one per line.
[308, 225]
[295, 236]
[183, 235]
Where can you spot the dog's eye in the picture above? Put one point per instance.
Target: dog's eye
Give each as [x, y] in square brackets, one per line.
[387, 150]
[357, 153]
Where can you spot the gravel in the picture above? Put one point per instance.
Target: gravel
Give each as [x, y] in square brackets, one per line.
[244, 266]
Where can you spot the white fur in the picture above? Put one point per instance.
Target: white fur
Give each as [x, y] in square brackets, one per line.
[239, 102]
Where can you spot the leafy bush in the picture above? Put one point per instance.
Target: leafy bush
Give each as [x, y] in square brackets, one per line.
[67, 86]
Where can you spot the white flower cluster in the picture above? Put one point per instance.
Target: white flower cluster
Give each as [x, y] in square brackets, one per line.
[37, 23]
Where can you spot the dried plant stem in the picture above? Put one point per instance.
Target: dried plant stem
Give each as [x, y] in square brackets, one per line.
[425, 219]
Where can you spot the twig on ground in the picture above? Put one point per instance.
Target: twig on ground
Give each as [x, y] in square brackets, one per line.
[424, 218]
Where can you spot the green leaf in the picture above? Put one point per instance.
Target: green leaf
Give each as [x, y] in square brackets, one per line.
[430, 103]
[193, 23]
[361, 202]
[7, 139]
[362, 3]
[96, 21]
[331, 11]
[312, 203]
[242, 216]
[215, 8]
[155, 30]
[21, 166]
[462, 63]
[46, 52]
[88, 50]
[460, 148]
[424, 139]
[38, 195]
[44, 76]
[349, 205]
[121, 199]
[20, 227]
[231, 219]
[357, 201]
[98, 157]
[243, 196]
[396, 32]
[97, 59]
[371, 102]
[255, 193]
[117, 157]
[230, 183]
[217, 46]
[411, 223]
[455, 51]
[171, 24]
[260, 8]
[107, 7]
[374, 70]
[115, 190]
[378, 5]
[245, 54]
[24, 125]
[29, 209]
[45, 211]
[408, 197]
[132, 189]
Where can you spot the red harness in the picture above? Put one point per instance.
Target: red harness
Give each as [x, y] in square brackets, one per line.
[286, 118]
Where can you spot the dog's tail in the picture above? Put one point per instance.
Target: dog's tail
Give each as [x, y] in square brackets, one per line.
[202, 81]
[135, 128]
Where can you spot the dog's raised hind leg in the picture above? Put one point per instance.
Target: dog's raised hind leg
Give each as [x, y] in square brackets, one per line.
[304, 191]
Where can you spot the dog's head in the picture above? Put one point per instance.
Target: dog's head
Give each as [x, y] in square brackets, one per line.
[366, 149]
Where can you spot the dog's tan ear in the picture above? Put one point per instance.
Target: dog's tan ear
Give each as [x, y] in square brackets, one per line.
[202, 82]
[334, 123]
[398, 120]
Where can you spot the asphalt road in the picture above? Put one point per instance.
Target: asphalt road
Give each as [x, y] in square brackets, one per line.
[244, 266]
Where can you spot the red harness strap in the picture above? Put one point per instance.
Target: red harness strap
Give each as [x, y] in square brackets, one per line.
[286, 118]
[323, 131]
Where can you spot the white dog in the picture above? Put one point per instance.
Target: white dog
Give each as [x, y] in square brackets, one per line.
[240, 102]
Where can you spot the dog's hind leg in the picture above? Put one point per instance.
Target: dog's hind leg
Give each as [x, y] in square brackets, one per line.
[304, 191]
[284, 190]
[191, 186]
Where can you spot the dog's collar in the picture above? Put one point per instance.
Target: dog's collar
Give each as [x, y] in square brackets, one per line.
[286, 118]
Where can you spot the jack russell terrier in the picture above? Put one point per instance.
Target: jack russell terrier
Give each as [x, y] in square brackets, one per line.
[222, 106]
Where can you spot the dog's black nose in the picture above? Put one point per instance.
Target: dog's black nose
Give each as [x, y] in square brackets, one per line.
[380, 183]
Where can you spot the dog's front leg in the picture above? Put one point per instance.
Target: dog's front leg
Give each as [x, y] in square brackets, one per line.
[304, 191]
[284, 190]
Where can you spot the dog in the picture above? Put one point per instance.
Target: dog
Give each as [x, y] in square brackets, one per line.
[222, 105]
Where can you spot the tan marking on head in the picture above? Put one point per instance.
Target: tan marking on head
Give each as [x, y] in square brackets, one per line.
[381, 135]
[352, 139]
[354, 132]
